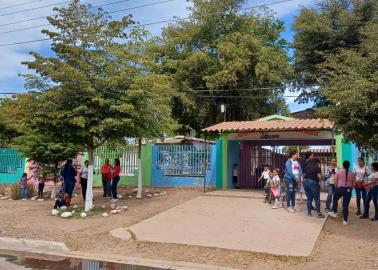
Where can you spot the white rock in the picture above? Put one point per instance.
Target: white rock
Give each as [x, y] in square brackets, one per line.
[103, 206]
[63, 207]
[4, 198]
[130, 197]
[40, 200]
[156, 194]
[12, 200]
[83, 215]
[105, 214]
[149, 195]
[163, 193]
[113, 206]
[135, 189]
[124, 208]
[32, 199]
[54, 212]
[147, 191]
[114, 212]
[119, 196]
[66, 214]
[73, 212]
[75, 206]
[118, 207]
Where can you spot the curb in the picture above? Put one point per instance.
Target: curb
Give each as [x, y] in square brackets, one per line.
[12, 243]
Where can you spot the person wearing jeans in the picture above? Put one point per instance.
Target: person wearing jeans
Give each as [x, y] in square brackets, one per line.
[116, 177]
[330, 173]
[344, 183]
[312, 175]
[106, 173]
[362, 174]
[292, 175]
[372, 186]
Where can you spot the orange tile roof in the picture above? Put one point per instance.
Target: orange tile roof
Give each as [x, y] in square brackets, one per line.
[272, 125]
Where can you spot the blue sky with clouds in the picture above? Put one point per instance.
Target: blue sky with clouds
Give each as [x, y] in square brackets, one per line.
[12, 56]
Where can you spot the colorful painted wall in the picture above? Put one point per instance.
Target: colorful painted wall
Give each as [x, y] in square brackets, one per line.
[12, 166]
[159, 179]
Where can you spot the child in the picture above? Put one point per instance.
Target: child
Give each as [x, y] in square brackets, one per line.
[24, 187]
[275, 190]
[265, 173]
[267, 188]
[64, 200]
[235, 175]
[41, 186]
[282, 192]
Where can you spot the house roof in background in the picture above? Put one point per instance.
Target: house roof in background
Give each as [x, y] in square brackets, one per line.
[292, 124]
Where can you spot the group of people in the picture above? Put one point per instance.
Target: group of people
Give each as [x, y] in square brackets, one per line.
[340, 184]
[110, 178]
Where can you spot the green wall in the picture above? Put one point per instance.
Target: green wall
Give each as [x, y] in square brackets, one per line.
[133, 180]
[224, 139]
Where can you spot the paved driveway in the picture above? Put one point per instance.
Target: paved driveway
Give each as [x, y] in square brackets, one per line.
[233, 222]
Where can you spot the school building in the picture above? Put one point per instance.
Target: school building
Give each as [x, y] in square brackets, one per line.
[191, 162]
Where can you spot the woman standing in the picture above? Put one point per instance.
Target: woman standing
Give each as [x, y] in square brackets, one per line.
[312, 176]
[293, 174]
[84, 179]
[330, 173]
[362, 173]
[344, 183]
[106, 175]
[372, 187]
[116, 177]
[69, 174]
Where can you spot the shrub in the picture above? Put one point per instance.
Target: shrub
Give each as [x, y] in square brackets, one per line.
[15, 191]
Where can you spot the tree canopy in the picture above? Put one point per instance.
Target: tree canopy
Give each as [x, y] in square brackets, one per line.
[324, 32]
[352, 89]
[221, 51]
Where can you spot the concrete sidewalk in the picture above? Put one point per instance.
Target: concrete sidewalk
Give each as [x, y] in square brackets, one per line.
[231, 222]
[252, 193]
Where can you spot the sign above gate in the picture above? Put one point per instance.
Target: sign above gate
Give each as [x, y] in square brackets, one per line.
[283, 135]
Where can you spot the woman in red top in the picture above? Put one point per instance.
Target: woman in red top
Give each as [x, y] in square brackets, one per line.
[345, 181]
[116, 177]
[106, 173]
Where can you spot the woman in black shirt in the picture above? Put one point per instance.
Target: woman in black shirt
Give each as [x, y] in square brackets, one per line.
[311, 176]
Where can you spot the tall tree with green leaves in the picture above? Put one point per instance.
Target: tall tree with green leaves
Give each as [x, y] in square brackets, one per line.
[323, 32]
[238, 57]
[97, 60]
[351, 88]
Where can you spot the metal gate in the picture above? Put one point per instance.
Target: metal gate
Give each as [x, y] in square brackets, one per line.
[252, 161]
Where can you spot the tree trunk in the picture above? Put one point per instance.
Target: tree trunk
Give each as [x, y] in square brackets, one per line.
[53, 192]
[139, 192]
[89, 194]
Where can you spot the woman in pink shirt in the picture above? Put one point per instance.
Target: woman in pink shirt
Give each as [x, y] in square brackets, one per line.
[345, 181]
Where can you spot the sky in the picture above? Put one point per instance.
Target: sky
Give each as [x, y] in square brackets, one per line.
[12, 56]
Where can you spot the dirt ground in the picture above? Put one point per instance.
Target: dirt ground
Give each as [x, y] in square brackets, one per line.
[340, 247]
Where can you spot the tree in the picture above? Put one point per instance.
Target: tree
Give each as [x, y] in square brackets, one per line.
[46, 151]
[323, 32]
[351, 88]
[96, 62]
[221, 52]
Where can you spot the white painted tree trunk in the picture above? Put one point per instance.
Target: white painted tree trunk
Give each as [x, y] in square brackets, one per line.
[89, 193]
[53, 192]
[139, 192]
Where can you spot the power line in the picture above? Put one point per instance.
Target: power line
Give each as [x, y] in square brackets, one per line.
[125, 9]
[43, 17]
[21, 4]
[34, 8]
[24, 42]
[159, 22]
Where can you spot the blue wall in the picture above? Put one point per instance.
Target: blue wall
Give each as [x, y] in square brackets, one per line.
[233, 158]
[161, 180]
[12, 178]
